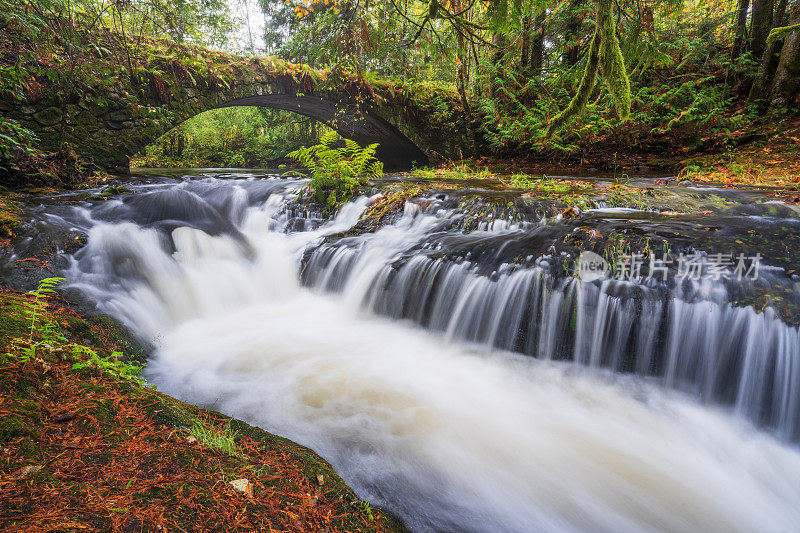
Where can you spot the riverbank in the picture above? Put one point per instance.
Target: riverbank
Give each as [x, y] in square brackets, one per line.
[88, 446]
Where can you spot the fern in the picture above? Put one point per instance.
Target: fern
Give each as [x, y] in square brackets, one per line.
[337, 171]
[37, 306]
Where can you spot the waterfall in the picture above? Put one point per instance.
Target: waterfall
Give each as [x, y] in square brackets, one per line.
[463, 392]
[694, 341]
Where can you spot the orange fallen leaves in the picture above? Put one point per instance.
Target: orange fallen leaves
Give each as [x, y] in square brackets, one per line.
[110, 461]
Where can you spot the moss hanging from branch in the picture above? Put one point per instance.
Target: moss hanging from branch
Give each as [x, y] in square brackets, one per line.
[578, 102]
[605, 57]
[612, 64]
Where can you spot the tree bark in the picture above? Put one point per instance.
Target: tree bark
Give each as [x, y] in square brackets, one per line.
[536, 61]
[532, 51]
[526, 38]
[498, 55]
[760, 24]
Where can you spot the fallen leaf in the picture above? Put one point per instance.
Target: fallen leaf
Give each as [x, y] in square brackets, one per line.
[570, 212]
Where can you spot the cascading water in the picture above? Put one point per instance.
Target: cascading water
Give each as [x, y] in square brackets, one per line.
[409, 368]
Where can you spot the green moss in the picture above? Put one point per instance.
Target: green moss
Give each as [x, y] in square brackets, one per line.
[9, 214]
[13, 319]
[110, 192]
[22, 422]
[105, 411]
[612, 64]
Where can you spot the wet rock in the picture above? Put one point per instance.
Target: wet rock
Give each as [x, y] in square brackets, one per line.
[48, 117]
[76, 243]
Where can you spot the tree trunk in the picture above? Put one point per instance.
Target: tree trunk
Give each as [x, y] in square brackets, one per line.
[741, 27]
[786, 84]
[760, 24]
[769, 61]
[536, 61]
[576, 17]
[526, 38]
[532, 53]
[498, 54]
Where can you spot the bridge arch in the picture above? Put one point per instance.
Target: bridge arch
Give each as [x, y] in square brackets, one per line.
[114, 120]
[396, 151]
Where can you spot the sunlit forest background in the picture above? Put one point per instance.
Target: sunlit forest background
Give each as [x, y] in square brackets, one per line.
[697, 68]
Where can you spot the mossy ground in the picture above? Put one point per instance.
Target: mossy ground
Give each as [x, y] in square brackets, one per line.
[566, 193]
[118, 456]
[9, 214]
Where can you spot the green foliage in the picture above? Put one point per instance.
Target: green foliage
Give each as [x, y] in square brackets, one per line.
[35, 309]
[14, 139]
[231, 137]
[365, 508]
[336, 172]
[541, 184]
[113, 364]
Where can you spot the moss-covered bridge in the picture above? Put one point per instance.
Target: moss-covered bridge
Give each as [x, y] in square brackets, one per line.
[112, 107]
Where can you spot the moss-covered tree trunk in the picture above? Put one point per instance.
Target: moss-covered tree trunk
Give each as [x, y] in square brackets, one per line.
[769, 60]
[605, 58]
[786, 85]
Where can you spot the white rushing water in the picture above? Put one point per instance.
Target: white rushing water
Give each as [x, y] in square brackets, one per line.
[450, 436]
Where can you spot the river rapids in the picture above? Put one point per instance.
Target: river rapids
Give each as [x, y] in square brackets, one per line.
[459, 394]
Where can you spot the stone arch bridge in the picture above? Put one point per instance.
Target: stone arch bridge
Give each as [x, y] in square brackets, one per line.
[114, 117]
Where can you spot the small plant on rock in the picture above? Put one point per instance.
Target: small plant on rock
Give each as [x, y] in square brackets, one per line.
[337, 171]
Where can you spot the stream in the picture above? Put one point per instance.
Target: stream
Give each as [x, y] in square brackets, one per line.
[449, 365]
